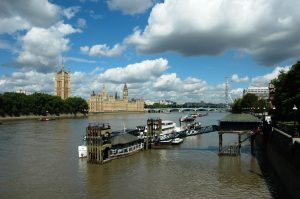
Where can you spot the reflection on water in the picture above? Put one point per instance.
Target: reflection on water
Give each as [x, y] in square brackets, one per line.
[39, 160]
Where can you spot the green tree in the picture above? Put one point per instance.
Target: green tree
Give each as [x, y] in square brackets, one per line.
[287, 93]
[76, 105]
[237, 106]
[249, 101]
[2, 113]
[10, 104]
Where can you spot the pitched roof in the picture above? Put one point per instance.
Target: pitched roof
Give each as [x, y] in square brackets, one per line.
[123, 139]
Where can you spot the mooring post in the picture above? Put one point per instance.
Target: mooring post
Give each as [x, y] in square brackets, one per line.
[252, 144]
[220, 142]
[240, 144]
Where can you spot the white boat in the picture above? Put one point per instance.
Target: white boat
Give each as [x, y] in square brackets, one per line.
[177, 141]
[168, 130]
[187, 118]
[126, 151]
[82, 151]
[167, 127]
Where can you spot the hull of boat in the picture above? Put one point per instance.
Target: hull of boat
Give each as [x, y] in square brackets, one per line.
[82, 151]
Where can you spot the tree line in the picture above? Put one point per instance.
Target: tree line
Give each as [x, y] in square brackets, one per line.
[286, 96]
[250, 103]
[19, 104]
[185, 105]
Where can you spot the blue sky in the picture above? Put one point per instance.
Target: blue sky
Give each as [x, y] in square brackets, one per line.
[179, 50]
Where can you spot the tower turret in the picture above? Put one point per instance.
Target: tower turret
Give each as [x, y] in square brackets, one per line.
[125, 92]
[62, 85]
[103, 93]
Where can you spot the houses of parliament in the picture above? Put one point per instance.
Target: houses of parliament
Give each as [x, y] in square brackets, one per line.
[105, 103]
[62, 84]
[97, 103]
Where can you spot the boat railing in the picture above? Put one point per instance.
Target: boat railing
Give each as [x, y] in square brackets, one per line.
[126, 150]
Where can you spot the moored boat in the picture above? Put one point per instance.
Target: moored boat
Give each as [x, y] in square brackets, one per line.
[193, 129]
[165, 142]
[177, 141]
[45, 119]
[82, 151]
[114, 145]
[187, 118]
[168, 131]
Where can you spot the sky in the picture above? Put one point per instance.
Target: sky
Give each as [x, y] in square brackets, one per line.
[180, 50]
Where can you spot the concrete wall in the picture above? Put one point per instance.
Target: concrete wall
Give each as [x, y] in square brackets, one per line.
[284, 155]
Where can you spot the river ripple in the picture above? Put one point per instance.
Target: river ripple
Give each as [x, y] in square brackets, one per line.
[39, 160]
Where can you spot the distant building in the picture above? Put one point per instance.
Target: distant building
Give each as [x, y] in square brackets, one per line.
[62, 85]
[167, 102]
[22, 91]
[260, 92]
[105, 103]
[272, 90]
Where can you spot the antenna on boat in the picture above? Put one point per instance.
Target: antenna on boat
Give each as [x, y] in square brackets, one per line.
[124, 128]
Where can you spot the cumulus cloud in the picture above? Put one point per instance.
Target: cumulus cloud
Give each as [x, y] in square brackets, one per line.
[41, 37]
[19, 15]
[12, 24]
[81, 23]
[264, 80]
[130, 7]
[4, 45]
[138, 72]
[42, 48]
[238, 79]
[148, 79]
[80, 60]
[267, 30]
[191, 89]
[94, 15]
[82, 83]
[70, 12]
[30, 81]
[103, 50]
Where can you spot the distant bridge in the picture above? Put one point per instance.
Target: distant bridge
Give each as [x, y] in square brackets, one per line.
[169, 110]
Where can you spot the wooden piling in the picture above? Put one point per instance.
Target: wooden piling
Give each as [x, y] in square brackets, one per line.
[220, 142]
[98, 140]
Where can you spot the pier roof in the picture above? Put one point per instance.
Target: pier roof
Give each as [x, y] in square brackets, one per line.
[239, 122]
[123, 139]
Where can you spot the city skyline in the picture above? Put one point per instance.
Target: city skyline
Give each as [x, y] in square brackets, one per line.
[177, 50]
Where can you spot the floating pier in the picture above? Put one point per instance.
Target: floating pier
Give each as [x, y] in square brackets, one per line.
[235, 148]
[240, 125]
[98, 142]
[154, 128]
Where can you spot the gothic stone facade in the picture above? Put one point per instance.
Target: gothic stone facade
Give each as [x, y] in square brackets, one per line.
[62, 83]
[106, 103]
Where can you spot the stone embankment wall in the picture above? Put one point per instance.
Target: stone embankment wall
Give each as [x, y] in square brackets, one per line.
[283, 152]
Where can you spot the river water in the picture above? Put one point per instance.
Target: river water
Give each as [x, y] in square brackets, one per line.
[40, 160]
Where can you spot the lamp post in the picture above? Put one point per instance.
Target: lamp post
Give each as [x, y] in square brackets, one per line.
[295, 110]
[273, 113]
[264, 111]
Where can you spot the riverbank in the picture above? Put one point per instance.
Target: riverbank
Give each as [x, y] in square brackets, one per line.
[37, 117]
[61, 116]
